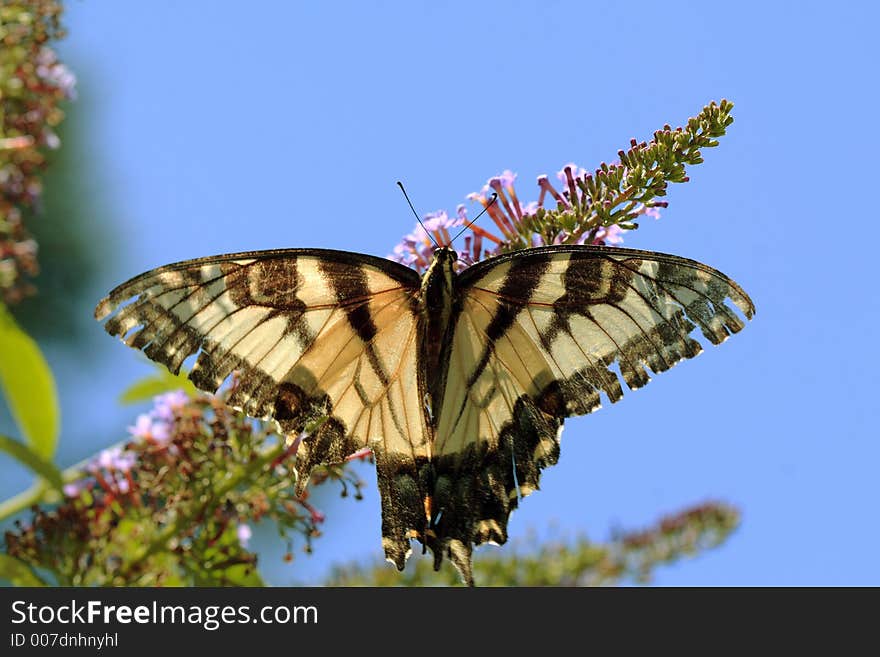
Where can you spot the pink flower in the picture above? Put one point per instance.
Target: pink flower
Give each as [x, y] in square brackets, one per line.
[417, 249]
[576, 172]
[244, 533]
[146, 428]
[55, 73]
[609, 235]
[167, 405]
[115, 458]
[74, 488]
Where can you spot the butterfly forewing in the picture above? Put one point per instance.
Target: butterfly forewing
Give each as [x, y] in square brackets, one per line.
[315, 336]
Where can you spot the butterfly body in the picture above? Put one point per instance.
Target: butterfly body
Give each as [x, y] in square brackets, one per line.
[436, 301]
[458, 382]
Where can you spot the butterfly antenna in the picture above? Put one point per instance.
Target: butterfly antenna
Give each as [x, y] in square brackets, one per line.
[474, 220]
[416, 214]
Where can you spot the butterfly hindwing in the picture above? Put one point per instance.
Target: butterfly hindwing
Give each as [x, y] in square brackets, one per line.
[537, 337]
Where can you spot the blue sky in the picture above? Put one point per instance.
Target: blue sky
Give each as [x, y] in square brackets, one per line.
[218, 127]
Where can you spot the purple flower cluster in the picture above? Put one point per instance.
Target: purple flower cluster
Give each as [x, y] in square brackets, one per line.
[193, 464]
[34, 85]
[156, 425]
[57, 75]
[110, 471]
[513, 219]
[112, 467]
[417, 248]
[53, 72]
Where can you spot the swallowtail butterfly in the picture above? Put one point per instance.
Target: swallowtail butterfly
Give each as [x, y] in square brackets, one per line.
[458, 381]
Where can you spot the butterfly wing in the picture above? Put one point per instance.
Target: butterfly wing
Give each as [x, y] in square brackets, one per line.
[537, 338]
[318, 338]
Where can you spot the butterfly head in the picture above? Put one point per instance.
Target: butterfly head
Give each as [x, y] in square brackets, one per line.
[441, 273]
[445, 256]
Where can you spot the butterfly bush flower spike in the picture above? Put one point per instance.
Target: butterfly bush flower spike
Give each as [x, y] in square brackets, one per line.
[595, 207]
[559, 216]
[130, 496]
[34, 86]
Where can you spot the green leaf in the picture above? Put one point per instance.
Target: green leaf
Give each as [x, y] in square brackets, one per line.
[29, 387]
[242, 575]
[26, 456]
[162, 381]
[227, 563]
[18, 572]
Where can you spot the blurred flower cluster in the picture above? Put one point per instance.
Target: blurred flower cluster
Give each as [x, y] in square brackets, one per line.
[175, 505]
[626, 557]
[33, 84]
[587, 208]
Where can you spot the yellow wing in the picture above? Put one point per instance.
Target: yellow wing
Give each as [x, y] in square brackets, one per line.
[313, 334]
[541, 335]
